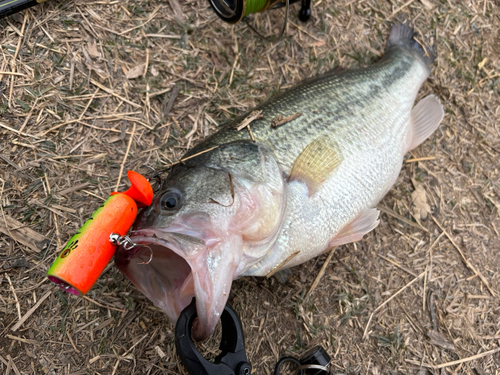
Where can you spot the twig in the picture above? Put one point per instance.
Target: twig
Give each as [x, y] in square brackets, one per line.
[250, 134]
[146, 64]
[94, 195]
[400, 8]
[6, 227]
[31, 311]
[153, 14]
[414, 160]
[109, 91]
[391, 298]
[457, 362]
[72, 343]
[88, 104]
[101, 305]
[15, 57]
[398, 265]
[167, 36]
[73, 188]
[15, 131]
[254, 115]
[282, 264]
[425, 287]
[171, 99]
[232, 70]
[12, 74]
[125, 158]
[195, 125]
[14, 367]
[280, 120]
[128, 351]
[467, 263]
[320, 273]
[20, 131]
[399, 217]
[197, 154]
[15, 296]
[26, 341]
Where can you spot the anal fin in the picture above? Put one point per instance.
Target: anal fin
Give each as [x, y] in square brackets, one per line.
[365, 222]
[316, 163]
[424, 119]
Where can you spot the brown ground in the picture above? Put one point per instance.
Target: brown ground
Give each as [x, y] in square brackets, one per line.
[90, 92]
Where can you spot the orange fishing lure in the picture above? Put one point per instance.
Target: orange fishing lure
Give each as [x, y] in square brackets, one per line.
[87, 253]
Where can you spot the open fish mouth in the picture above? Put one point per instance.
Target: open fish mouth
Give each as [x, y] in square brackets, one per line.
[171, 268]
[156, 266]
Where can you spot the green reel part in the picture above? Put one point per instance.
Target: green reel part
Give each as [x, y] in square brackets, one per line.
[233, 11]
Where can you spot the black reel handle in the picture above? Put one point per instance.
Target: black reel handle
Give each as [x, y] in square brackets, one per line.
[9, 7]
[231, 361]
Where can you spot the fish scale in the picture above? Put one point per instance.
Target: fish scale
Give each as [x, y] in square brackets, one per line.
[238, 207]
[329, 103]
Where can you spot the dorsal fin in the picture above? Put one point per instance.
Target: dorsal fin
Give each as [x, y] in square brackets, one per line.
[316, 163]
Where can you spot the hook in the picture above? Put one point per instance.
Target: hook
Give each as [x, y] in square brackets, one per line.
[128, 244]
[150, 254]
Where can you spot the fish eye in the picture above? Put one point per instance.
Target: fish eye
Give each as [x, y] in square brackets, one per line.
[171, 200]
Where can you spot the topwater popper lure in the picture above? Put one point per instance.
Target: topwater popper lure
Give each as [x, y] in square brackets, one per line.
[87, 253]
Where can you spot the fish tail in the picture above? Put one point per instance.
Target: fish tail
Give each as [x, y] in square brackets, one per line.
[403, 35]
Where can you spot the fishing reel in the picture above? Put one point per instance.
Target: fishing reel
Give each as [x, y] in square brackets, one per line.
[233, 11]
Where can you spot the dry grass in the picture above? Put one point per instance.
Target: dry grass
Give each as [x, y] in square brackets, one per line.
[84, 91]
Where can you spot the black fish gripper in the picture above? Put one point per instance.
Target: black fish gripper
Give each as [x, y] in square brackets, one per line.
[231, 361]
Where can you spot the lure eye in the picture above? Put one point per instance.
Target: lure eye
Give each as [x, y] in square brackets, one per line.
[171, 200]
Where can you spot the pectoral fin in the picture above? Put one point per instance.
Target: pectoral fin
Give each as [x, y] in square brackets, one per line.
[316, 163]
[424, 119]
[365, 222]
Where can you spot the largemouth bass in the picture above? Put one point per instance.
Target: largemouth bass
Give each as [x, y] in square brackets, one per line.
[239, 206]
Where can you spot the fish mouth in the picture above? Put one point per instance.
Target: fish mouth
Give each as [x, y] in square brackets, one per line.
[171, 268]
[158, 269]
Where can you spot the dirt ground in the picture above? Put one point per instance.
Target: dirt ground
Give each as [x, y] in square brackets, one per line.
[84, 94]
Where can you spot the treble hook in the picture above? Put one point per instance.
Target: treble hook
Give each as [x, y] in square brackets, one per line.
[155, 176]
[150, 255]
[128, 244]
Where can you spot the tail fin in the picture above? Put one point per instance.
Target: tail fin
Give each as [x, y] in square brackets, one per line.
[402, 35]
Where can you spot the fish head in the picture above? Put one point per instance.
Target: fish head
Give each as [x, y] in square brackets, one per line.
[206, 227]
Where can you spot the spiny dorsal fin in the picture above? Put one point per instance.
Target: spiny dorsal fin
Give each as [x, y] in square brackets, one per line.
[365, 222]
[316, 163]
[424, 119]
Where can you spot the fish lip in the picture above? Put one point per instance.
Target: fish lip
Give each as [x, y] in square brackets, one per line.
[169, 239]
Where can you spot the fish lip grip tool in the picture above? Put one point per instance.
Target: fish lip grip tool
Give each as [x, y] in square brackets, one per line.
[231, 361]
[88, 252]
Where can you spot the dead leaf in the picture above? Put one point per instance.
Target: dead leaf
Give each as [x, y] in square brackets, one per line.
[135, 71]
[420, 207]
[177, 10]
[319, 43]
[439, 340]
[429, 5]
[92, 49]
[482, 63]
[154, 71]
